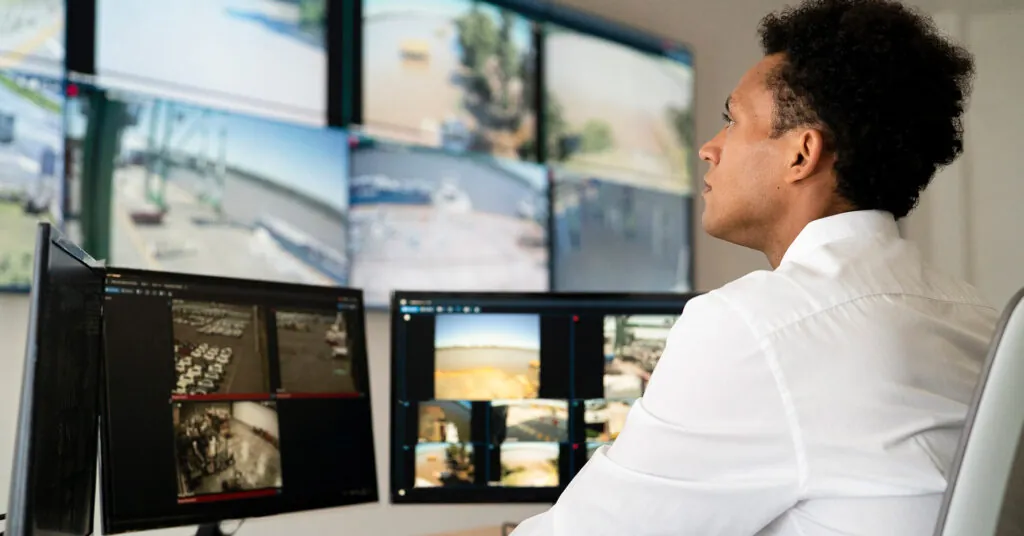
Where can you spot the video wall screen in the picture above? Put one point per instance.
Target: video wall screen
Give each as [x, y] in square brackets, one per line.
[207, 192]
[31, 169]
[627, 116]
[427, 219]
[251, 55]
[604, 229]
[500, 397]
[248, 399]
[32, 36]
[454, 74]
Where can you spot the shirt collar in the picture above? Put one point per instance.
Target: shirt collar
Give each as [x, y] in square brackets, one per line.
[834, 228]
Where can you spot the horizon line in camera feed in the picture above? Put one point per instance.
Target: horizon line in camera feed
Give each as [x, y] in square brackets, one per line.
[604, 419]
[486, 356]
[444, 421]
[276, 53]
[452, 74]
[633, 344]
[603, 229]
[426, 220]
[530, 464]
[207, 192]
[444, 465]
[530, 420]
[597, 125]
[229, 449]
[31, 169]
[219, 349]
[315, 352]
[32, 36]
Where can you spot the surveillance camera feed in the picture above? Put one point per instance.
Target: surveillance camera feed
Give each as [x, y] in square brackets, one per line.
[534, 420]
[226, 447]
[603, 229]
[205, 192]
[260, 54]
[445, 421]
[31, 169]
[424, 219]
[632, 346]
[529, 465]
[219, 349]
[486, 356]
[455, 74]
[444, 465]
[32, 35]
[629, 114]
[604, 419]
[315, 352]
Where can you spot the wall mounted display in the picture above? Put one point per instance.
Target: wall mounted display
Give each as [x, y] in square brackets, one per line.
[32, 36]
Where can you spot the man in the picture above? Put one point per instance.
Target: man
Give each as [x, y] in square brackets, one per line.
[824, 397]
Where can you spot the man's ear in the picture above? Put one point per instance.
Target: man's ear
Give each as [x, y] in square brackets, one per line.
[807, 152]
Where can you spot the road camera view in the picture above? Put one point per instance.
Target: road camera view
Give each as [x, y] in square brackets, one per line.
[207, 192]
[226, 447]
[449, 73]
[628, 116]
[267, 53]
[219, 349]
[445, 421]
[605, 229]
[486, 356]
[32, 35]
[604, 419]
[444, 465]
[31, 169]
[632, 346]
[427, 220]
[315, 352]
[533, 420]
[529, 465]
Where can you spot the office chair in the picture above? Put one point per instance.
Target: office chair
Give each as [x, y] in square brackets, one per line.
[985, 496]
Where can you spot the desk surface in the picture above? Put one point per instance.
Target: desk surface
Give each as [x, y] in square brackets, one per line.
[480, 531]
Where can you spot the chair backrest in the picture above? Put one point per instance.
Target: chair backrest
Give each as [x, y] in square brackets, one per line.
[985, 496]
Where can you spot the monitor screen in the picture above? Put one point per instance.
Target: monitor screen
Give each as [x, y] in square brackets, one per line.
[254, 56]
[31, 168]
[499, 397]
[426, 219]
[456, 74]
[32, 35]
[213, 193]
[53, 479]
[606, 228]
[627, 117]
[247, 398]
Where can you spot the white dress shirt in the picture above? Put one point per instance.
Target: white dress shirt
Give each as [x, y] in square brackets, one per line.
[825, 397]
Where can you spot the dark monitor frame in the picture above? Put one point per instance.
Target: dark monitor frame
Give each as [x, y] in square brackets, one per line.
[227, 510]
[476, 495]
[20, 520]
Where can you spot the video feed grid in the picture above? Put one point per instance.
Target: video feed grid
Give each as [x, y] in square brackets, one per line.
[316, 353]
[226, 450]
[486, 356]
[451, 74]
[203, 191]
[220, 350]
[31, 168]
[426, 219]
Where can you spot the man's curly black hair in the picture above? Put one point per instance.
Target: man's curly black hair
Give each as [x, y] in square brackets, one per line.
[884, 86]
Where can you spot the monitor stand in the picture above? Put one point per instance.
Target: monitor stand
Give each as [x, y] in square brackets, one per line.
[211, 529]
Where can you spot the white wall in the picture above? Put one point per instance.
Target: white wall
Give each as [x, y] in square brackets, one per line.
[256, 415]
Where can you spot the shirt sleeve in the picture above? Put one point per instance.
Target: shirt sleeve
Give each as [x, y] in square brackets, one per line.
[709, 449]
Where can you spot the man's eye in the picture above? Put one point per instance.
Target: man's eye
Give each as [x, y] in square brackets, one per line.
[727, 119]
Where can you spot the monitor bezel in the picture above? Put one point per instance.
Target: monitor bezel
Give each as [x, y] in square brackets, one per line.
[227, 510]
[497, 495]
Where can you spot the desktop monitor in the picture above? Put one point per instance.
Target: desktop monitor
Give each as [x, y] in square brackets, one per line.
[501, 397]
[53, 479]
[227, 399]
